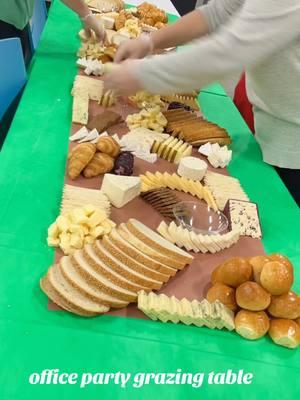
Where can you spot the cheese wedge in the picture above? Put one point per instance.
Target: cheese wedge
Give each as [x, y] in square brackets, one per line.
[120, 190]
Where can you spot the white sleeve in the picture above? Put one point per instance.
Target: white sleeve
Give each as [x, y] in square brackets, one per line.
[218, 12]
[259, 29]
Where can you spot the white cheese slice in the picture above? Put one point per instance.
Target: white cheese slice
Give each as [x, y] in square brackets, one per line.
[80, 134]
[121, 189]
[192, 168]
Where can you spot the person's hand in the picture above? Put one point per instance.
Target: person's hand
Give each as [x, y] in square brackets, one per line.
[123, 80]
[134, 48]
[90, 24]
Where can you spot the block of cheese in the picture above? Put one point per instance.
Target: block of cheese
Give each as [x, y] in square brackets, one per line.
[192, 168]
[120, 190]
[80, 112]
[244, 216]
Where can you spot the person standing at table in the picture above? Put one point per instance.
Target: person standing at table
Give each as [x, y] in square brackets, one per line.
[261, 37]
[16, 14]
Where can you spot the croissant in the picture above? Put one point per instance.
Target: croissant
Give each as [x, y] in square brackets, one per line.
[79, 158]
[99, 164]
[109, 146]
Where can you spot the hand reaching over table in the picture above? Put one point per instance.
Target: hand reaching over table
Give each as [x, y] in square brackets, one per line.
[134, 49]
[122, 79]
[91, 24]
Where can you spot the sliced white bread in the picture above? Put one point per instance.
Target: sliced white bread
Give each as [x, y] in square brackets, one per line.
[94, 286]
[98, 274]
[131, 263]
[138, 281]
[156, 241]
[138, 255]
[72, 295]
[53, 295]
[149, 250]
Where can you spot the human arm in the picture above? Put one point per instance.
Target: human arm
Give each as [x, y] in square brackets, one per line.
[89, 21]
[257, 30]
[192, 26]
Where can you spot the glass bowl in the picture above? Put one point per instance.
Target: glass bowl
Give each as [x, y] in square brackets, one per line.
[198, 217]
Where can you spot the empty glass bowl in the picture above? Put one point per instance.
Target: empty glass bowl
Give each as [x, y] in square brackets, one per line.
[198, 217]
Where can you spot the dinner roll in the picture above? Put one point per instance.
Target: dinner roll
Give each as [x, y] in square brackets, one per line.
[281, 258]
[257, 264]
[285, 306]
[251, 296]
[225, 294]
[285, 332]
[276, 277]
[233, 272]
[251, 325]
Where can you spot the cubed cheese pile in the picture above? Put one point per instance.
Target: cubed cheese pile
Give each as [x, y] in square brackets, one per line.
[151, 118]
[78, 227]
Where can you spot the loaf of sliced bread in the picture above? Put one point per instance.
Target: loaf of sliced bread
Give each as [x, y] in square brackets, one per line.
[119, 267]
[131, 262]
[95, 276]
[53, 295]
[149, 250]
[95, 286]
[156, 241]
[71, 295]
[138, 255]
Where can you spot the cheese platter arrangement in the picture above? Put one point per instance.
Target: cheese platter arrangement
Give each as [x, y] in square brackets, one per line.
[144, 218]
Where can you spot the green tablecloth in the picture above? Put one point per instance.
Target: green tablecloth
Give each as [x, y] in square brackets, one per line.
[32, 165]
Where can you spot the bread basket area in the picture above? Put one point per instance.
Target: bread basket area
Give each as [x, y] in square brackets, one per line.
[151, 224]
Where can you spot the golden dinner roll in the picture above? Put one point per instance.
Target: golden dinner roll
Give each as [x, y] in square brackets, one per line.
[251, 296]
[233, 272]
[281, 258]
[298, 321]
[285, 332]
[285, 306]
[251, 325]
[276, 278]
[225, 294]
[257, 264]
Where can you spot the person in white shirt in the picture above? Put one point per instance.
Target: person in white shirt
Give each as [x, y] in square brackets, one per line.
[261, 37]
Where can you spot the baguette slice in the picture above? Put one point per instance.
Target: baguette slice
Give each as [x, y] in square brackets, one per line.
[54, 295]
[139, 282]
[94, 286]
[71, 295]
[106, 279]
[138, 255]
[131, 262]
[150, 251]
[156, 241]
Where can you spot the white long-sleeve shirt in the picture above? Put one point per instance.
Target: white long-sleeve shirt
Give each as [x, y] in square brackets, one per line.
[260, 36]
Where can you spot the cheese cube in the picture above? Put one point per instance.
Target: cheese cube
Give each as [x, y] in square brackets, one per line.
[121, 189]
[96, 218]
[53, 230]
[76, 241]
[78, 216]
[62, 223]
[97, 231]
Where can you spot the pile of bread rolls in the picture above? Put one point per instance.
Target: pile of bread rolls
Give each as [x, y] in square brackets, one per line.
[258, 290]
